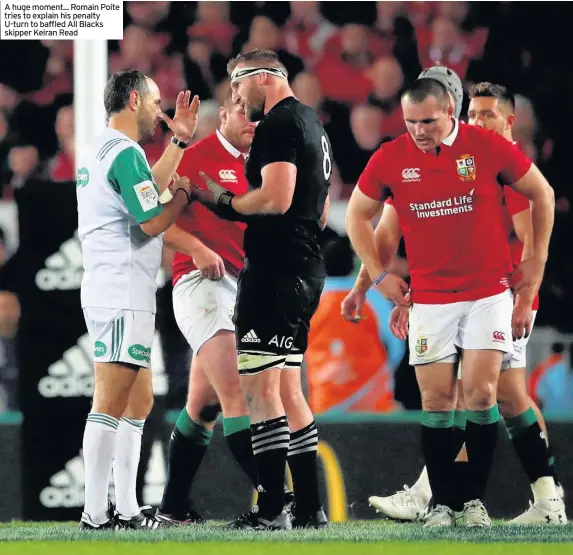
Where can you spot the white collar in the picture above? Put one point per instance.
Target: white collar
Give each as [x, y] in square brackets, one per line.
[236, 153]
[449, 140]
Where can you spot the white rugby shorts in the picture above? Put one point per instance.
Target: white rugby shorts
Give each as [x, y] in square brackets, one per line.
[517, 359]
[120, 335]
[202, 307]
[438, 330]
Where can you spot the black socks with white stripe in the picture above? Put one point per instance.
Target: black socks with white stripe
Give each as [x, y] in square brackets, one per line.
[303, 448]
[270, 446]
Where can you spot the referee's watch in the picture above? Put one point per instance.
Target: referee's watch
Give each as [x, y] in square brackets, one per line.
[179, 143]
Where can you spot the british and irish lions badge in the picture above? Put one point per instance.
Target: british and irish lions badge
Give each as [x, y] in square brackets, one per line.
[466, 168]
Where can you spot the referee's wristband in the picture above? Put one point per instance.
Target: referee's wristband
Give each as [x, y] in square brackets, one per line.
[380, 278]
[186, 194]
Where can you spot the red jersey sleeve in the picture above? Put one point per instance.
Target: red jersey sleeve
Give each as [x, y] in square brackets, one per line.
[515, 201]
[371, 181]
[511, 163]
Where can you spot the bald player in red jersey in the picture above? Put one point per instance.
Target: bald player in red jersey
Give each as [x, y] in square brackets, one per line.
[443, 178]
[492, 107]
[206, 266]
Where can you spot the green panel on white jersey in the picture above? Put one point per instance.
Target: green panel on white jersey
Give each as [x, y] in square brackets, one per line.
[129, 175]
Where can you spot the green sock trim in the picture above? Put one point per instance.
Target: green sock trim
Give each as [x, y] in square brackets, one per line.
[460, 419]
[441, 419]
[235, 424]
[483, 417]
[516, 424]
[190, 429]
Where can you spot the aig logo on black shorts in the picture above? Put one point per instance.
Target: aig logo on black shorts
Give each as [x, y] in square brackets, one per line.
[284, 342]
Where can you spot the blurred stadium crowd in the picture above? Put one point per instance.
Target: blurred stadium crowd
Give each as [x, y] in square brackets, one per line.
[349, 60]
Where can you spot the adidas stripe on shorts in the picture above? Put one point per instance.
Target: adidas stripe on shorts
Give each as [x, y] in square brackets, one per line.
[119, 335]
[202, 307]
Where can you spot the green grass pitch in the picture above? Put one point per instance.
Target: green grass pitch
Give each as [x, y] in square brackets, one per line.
[360, 537]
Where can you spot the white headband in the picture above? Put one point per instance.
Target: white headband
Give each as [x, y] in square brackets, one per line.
[248, 71]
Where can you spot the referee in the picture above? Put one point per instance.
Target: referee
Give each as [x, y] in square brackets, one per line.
[288, 169]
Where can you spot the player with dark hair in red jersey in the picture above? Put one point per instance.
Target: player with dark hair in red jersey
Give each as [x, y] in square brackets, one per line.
[444, 178]
[493, 107]
[206, 266]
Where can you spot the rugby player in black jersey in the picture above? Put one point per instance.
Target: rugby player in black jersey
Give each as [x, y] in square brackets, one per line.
[288, 169]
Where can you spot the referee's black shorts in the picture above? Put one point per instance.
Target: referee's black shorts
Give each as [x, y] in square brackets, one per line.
[272, 318]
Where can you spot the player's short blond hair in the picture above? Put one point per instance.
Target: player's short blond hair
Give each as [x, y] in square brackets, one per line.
[256, 58]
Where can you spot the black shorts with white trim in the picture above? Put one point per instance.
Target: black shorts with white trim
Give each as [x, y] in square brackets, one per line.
[272, 318]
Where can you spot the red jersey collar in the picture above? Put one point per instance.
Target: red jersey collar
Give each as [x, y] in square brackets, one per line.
[228, 146]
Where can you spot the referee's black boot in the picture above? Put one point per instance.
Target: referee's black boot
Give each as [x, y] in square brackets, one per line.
[145, 520]
[252, 521]
[316, 520]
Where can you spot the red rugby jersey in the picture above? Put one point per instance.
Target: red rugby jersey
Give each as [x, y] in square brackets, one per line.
[215, 156]
[451, 211]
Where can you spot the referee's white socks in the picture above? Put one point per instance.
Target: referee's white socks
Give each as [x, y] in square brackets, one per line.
[125, 465]
[99, 446]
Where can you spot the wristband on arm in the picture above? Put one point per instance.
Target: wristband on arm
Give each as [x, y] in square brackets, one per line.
[380, 277]
[186, 194]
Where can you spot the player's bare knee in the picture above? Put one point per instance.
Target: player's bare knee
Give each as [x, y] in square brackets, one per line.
[111, 405]
[292, 399]
[268, 393]
[435, 401]
[139, 408]
[480, 396]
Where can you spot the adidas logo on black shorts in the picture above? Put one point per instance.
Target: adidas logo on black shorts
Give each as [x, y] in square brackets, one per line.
[250, 337]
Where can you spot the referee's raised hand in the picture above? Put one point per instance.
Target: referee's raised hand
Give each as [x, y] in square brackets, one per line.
[184, 122]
